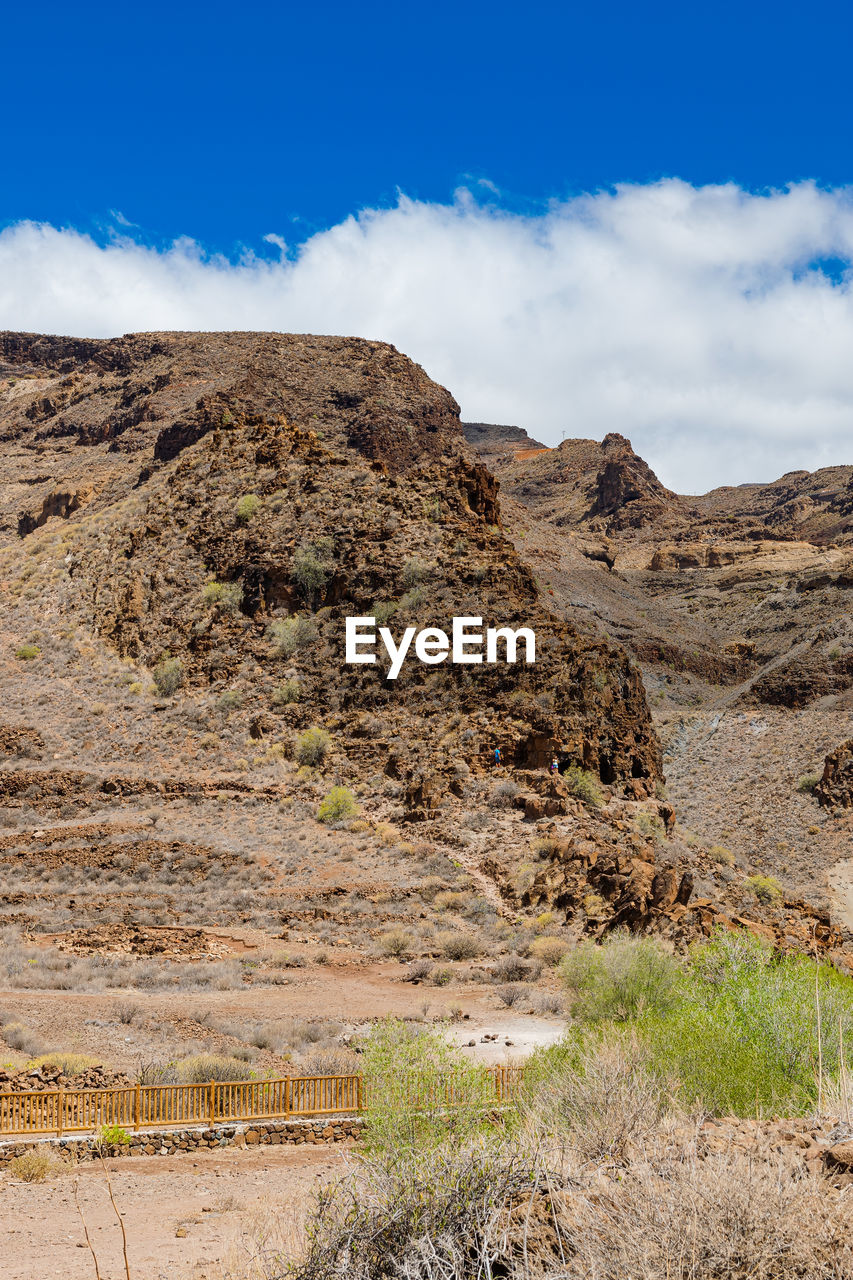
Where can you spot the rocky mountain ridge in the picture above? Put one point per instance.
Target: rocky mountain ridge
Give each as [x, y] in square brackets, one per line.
[185, 522]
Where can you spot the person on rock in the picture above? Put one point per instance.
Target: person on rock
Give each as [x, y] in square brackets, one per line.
[498, 758]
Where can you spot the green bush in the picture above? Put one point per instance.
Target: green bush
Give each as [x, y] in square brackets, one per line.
[247, 507]
[312, 565]
[584, 786]
[410, 1071]
[286, 693]
[311, 747]
[719, 853]
[743, 1033]
[27, 652]
[291, 634]
[735, 1027]
[651, 827]
[808, 782]
[338, 805]
[619, 980]
[767, 889]
[228, 595]
[230, 700]
[113, 1135]
[167, 676]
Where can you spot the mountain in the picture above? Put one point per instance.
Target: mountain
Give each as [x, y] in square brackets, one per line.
[187, 521]
[736, 606]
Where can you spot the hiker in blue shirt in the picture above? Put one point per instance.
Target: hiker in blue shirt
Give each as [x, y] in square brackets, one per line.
[498, 757]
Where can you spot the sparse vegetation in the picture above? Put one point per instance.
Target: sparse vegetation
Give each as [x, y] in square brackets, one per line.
[247, 507]
[397, 943]
[584, 786]
[550, 950]
[312, 565]
[503, 794]
[312, 746]
[227, 595]
[289, 635]
[34, 1166]
[337, 806]
[766, 889]
[720, 854]
[286, 694]
[456, 945]
[168, 676]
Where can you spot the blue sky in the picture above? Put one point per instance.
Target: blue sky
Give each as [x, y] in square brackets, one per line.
[228, 122]
[579, 218]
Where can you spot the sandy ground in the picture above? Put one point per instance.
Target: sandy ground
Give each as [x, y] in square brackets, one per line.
[204, 1199]
[168, 1023]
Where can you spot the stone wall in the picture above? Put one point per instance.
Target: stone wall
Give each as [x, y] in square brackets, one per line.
[167, 1142]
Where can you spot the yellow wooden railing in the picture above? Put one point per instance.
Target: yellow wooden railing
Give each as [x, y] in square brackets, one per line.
[61, 1111]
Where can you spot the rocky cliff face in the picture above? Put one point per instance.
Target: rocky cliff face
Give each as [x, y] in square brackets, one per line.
[215, 489]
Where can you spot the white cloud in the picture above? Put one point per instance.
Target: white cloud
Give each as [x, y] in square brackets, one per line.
[691, 319]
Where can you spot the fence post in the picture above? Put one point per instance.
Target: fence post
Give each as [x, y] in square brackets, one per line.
[211, 1107]
[60, 1106]
[287, 1098]
[137, 1104]
[360, 1094]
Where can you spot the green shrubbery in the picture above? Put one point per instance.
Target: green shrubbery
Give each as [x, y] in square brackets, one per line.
[167, 676]
[288, 635]
[584, 785]
[410, 1072]
[286, 693]
[311, 747]
[338, 805]
[27, 652]
[229, 700]
[227, 595]
[247, 507]
[312, 567]
[767, 889]
[736, 1026]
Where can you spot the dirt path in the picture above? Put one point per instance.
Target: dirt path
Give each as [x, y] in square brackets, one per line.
[182, 1213]
[841, 885]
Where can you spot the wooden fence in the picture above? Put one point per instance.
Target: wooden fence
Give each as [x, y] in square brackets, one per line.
[61, 1111]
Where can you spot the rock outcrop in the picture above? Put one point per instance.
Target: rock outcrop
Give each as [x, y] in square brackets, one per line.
[835, 788]
[308, 479]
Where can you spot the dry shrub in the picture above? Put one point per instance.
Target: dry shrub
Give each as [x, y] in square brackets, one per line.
[550, 950]
[602, 1100]
[35, 1166]
[203, 1067]
[337, 1060]
[718, 1217]
[19, 1036]
[397, 942]
[512, 993]
[514, 968]
[70, 1064]
[456, 945]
